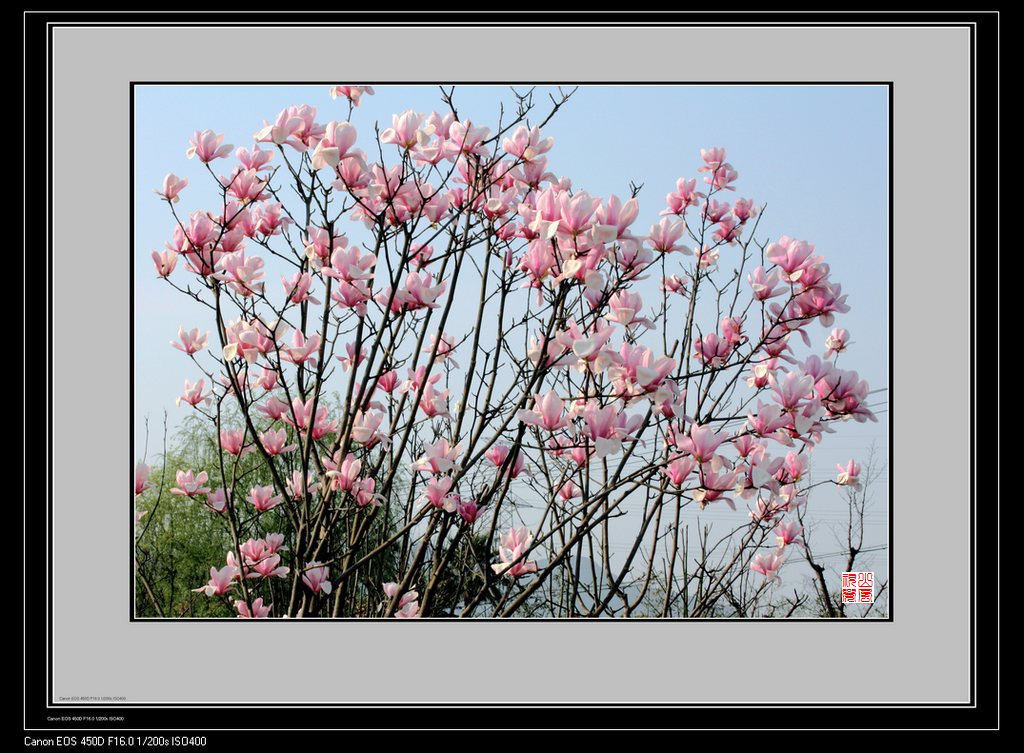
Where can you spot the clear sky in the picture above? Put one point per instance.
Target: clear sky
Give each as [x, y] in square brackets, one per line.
[817, 155]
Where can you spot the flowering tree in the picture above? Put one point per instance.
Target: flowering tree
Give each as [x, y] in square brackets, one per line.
[476, 389]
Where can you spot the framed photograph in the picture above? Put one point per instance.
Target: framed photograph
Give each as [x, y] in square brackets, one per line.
[570, 366]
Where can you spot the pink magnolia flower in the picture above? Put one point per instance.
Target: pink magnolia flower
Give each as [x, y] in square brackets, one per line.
[765, 284]
[218, 501]
[302, 349]
[434, 403]
[274, 541]
[467, 510]
[388, 381]
[606, 427]
[232, 441]
[420, 292]
[568, 491]
[768, 421]
[297, 288]
[275, 442]
[638, 373]
[759, 373]
[665, 236]
[576, 212]
[768, 565]
[271, 220]
[364, 493]
[294, 485]
[787, 532]
[438, 457]
[732, 329]
[193, 394]
[245, 185]
[466, 138]
[837, 342]
[207, 146]
[744, 209]
[142, 472]
[514, 546]
[498, 454]
[366, 429]
[547, 413]
[172, 187]
[686, 195]
[352, 359]
[258, 611]
[792, 389]
[849, 475]
[794, 468]
[587, 346]
[220, 581]
[294, 126]
[625, 308]
[675, 284]
[527, 144]
[333, 147]
[408, 604]
[265, 378]
[274, 408]
[268, 566]
[344, 474]
[792, 256]
[190, 484]
[315, 576]
[712, 350]
[614, 219]
[445, 347]
[352, 93]
[256, 159]
[243, 273]
[404, 131]
[438, 490]
[190, 342]
[702, 442]
[262, 498]
[679, 469]
[409, 610]
[713, 158]
[164, 261]
[714, 488]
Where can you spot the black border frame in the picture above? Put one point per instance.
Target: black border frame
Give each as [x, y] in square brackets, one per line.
[982, 713]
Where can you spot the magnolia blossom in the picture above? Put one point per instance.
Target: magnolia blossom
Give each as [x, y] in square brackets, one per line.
[352, 93]
[514, 546]
[548, 412]
[315, 575]
[276, 442]
[438, 457]
[142, 472]
[190, 342]
[207, 146]
[164, 261]
[172, 187]
[190, 484]
[220, 581]
[836, 342]
[262, 498]
[258, 611]
[849, 475]
[407, 606]
[768, 565]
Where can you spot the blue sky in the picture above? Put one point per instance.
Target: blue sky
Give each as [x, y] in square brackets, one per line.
[817, 155]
